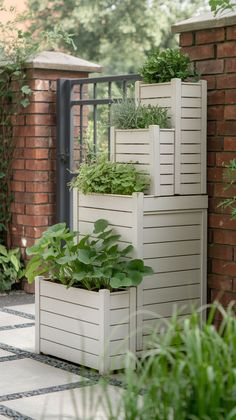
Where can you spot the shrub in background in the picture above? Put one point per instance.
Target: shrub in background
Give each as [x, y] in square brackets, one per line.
[162, 66]
[126, 115]
[11, 268]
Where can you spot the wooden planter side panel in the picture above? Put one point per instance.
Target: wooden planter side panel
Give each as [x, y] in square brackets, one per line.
[186, 103]
[89, 328]
[152, 150]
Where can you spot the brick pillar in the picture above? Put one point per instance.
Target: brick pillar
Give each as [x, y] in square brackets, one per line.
[33, 184]
[211, 45]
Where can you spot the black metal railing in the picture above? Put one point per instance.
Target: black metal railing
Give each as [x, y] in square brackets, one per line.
[65, 127]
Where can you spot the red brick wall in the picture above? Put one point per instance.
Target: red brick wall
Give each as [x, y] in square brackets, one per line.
[33, 184]
[213, 52]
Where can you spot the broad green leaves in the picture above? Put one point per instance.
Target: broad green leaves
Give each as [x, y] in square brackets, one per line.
[95, 262]
[11, 268]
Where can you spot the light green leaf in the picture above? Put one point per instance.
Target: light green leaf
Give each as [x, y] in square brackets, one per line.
[100, 225]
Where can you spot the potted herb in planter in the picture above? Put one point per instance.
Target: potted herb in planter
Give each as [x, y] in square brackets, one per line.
[168, 81]
[141, 133]
[168, 233]
[85, 296]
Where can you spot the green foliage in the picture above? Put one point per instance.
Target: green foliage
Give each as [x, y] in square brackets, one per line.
[106, 177]
[219, 6]
[116, 34]
[162, 66]
[11, 268]
[126, 115]
[231, 175]
[95, 262]
[190, 373]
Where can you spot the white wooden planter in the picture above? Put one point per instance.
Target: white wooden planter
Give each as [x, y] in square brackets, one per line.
[169, 233]
[187, 106]
[152, 150]
[94, 329]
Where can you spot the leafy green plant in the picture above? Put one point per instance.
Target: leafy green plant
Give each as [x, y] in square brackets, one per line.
[219, 6]
[106, 177]
[231, 175]
[11, 268]
[190, 373]
[162, 66]
[94, 263]
[126, 115]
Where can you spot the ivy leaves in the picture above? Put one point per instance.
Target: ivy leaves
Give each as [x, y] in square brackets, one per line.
[97, 261]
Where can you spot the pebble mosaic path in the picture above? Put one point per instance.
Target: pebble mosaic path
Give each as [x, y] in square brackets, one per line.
[39, 387]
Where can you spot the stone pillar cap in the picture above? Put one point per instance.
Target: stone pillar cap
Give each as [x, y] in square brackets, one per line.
[52, 60]
[205, 21]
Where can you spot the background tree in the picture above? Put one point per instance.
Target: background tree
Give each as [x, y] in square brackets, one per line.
[117, 34]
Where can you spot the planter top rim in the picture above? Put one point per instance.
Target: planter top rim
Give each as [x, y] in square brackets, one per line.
[168, 83]
[110, 195]
[143, 129]
[81, 289]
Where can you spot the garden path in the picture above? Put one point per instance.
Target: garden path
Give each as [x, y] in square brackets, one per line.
[33, 386]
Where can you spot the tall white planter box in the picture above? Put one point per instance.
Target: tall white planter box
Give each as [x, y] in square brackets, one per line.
[186, 103]
[151, 150]
[94, 329]
[169, 233]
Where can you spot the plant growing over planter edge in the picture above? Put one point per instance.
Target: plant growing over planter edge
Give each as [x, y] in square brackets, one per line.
[126, 115]
[162, 66]
[104, 177]
[95, 262]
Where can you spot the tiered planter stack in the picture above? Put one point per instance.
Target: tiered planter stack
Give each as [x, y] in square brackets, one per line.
[168, 226]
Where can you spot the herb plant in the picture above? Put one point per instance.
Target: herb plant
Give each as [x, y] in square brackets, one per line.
[106, 177]
[11, 268]
[126, 115]
[231, 202]
[189, 374]
[162, 66]
[95, 262]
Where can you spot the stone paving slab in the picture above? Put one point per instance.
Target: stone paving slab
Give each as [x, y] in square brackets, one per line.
[4, 353]
[28, 309]
[87, 403]
[7, 319]
[22, 338]
[26, 375]
[3, 417]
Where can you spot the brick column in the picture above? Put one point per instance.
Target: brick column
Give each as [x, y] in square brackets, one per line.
[33, 184]
[211, 45]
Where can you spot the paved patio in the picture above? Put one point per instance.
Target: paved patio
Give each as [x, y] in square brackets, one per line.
[35, 386]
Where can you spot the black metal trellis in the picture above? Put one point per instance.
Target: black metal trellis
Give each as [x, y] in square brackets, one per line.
[65, 131]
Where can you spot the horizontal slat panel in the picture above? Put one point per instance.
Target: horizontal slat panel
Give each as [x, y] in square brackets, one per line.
[73, 295]
[177, 278]
[132, 136]
[191, 112]
[119, 347]
[119, 300]
[114, 217]
[172, 219]
[75, 341]
[166, 190]
[167, 309]
[193, 168]
[106, 201]
[119, 316]
[68, 309]
[171, 249]
[190, 178]
[166, 169]
[171, 233]
[191, 136]
[167, 136]
[190, 124]
[191, 90]
[132, 158]
[188, 189]
[119, 332]
[125, 232]
[137, 148]
[190, 148]
[165, 102]
[72, 355]
[191, 102]
[72, 325]
[170, 294]
[167, 179]
[166, 159]
[155, 90]
[142, 168]
[190, 158]
[153, 326]
[163, 265]
[157, 204]
[166, 149]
